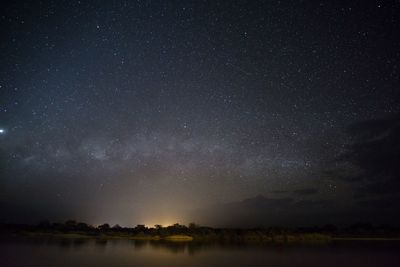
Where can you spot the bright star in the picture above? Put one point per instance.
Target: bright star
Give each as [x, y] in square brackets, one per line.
[2, 131]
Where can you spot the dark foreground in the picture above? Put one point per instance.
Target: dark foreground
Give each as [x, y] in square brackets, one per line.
[194, 232]
[51, 251]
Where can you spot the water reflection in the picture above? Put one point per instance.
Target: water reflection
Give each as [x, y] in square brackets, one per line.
[101, 252]
[190, 248]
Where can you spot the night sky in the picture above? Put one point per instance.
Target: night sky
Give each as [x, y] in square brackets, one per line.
[219, 112]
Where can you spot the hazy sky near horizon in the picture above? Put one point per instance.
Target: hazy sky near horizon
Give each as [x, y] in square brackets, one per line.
[145, 111]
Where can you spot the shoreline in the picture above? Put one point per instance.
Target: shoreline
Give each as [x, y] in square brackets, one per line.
[193, 238]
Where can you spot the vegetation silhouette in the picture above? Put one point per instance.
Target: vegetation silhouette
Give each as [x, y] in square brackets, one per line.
[197, 233]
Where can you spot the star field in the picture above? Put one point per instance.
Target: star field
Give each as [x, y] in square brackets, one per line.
[114, 111]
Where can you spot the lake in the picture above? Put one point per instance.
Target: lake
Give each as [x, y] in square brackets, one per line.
[86, 252]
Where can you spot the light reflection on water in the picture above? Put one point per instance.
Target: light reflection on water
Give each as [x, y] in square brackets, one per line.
[90, 252]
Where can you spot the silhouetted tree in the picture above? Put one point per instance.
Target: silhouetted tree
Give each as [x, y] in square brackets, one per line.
[83, 226]
[140, 228]
[70, 223]
[192, 226]
[117, 227]
[44, 224]
[104, 227]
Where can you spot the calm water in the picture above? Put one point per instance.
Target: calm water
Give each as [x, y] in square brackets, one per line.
[52, 252]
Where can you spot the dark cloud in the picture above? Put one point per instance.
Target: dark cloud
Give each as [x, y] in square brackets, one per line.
[380, 203]
[280, 191]
[306, 191]
[375, 151]
[298, 192]
[263, 211]
[376, 188]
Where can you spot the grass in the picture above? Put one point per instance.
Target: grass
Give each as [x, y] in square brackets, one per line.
[178, 238]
